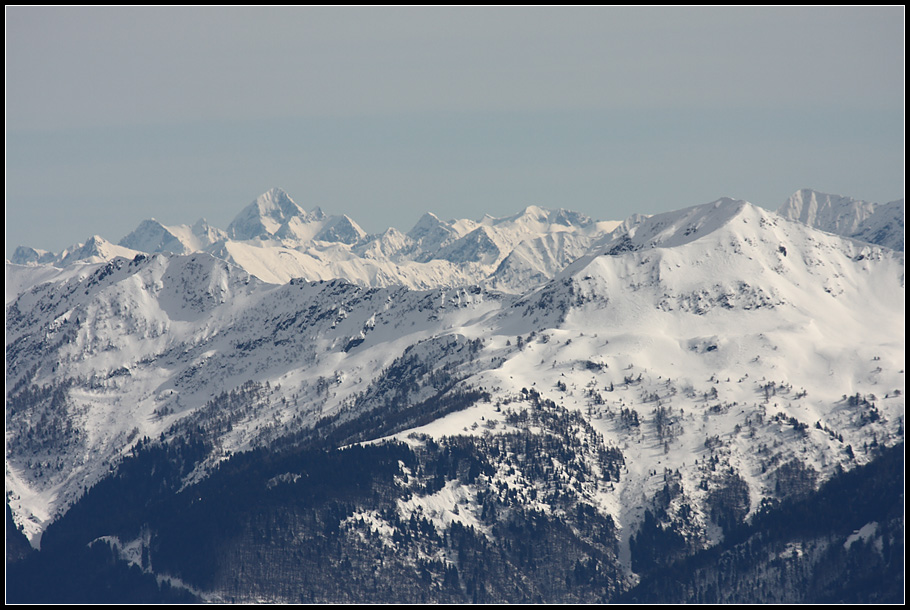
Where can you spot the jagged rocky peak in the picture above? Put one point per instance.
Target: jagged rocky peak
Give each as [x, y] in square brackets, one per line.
[95, 242]
[207, 233]
[881, 224]
[885, 227]
[317, 226]
[341, 229]
[264, 216]
[428, 222]
[541, 220]
[152, 236]
[384, 245]
[558, 216]
[570, 218]
[316, 214]
[671, 343]
[532, 211]
[475, 247]
[95, 249]
[833, 213]
[32, 256]
[393, 235]
[431, 230]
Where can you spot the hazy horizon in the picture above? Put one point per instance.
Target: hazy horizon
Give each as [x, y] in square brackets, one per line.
[115, 115]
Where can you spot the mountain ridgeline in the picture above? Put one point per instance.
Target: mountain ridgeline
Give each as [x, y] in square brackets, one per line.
[705, 405]
[276, 240]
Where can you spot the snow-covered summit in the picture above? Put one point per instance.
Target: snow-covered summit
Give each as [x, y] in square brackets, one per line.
[699, 309]
[265, 215]
[541, 220]
[832, 213]
[274, 239]
[340, 229]
[478, 246]
[431, 233]
[434, 252]
[152, 236]
[683, 226]
[882, 224]
[731, 256]
[96, 249]
[25, 255]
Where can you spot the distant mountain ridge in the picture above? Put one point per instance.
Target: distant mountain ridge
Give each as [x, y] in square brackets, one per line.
[881, 224]
[276, 240]
[152, 236]
[540, 408]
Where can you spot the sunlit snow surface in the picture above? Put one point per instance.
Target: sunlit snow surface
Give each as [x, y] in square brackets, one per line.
[739, 321]
[276, 240]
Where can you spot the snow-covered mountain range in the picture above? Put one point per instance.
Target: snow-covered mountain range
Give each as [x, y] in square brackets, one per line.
[276, 240]
[881, 224]
[717, 343]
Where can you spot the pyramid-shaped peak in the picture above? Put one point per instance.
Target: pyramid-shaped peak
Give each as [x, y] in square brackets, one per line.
[428, 218]
[275, 193]
[341, 229]
[152, 236]
[276, 200]
[149, 224]
[428, 222]
[316, 214]
[265, 215]
[477, 246]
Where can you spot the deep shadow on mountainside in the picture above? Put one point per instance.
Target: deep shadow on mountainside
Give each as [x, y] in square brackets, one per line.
[179, 431]
[810, 550]
[323, 525]
[309, 524]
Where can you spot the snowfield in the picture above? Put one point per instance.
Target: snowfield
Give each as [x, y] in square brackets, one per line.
[721, 338]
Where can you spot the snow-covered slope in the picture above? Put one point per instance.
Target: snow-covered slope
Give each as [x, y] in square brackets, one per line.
[274, 239]
[24, 255]
[275, 214]
[736, 338]
[22, 278]
[881, 224]
[534, 261]
[151, 237]
[716, 339]
[95, 250]
[885, 227]
[265, 216]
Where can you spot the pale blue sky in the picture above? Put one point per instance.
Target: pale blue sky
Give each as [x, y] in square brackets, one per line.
[114, 115]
